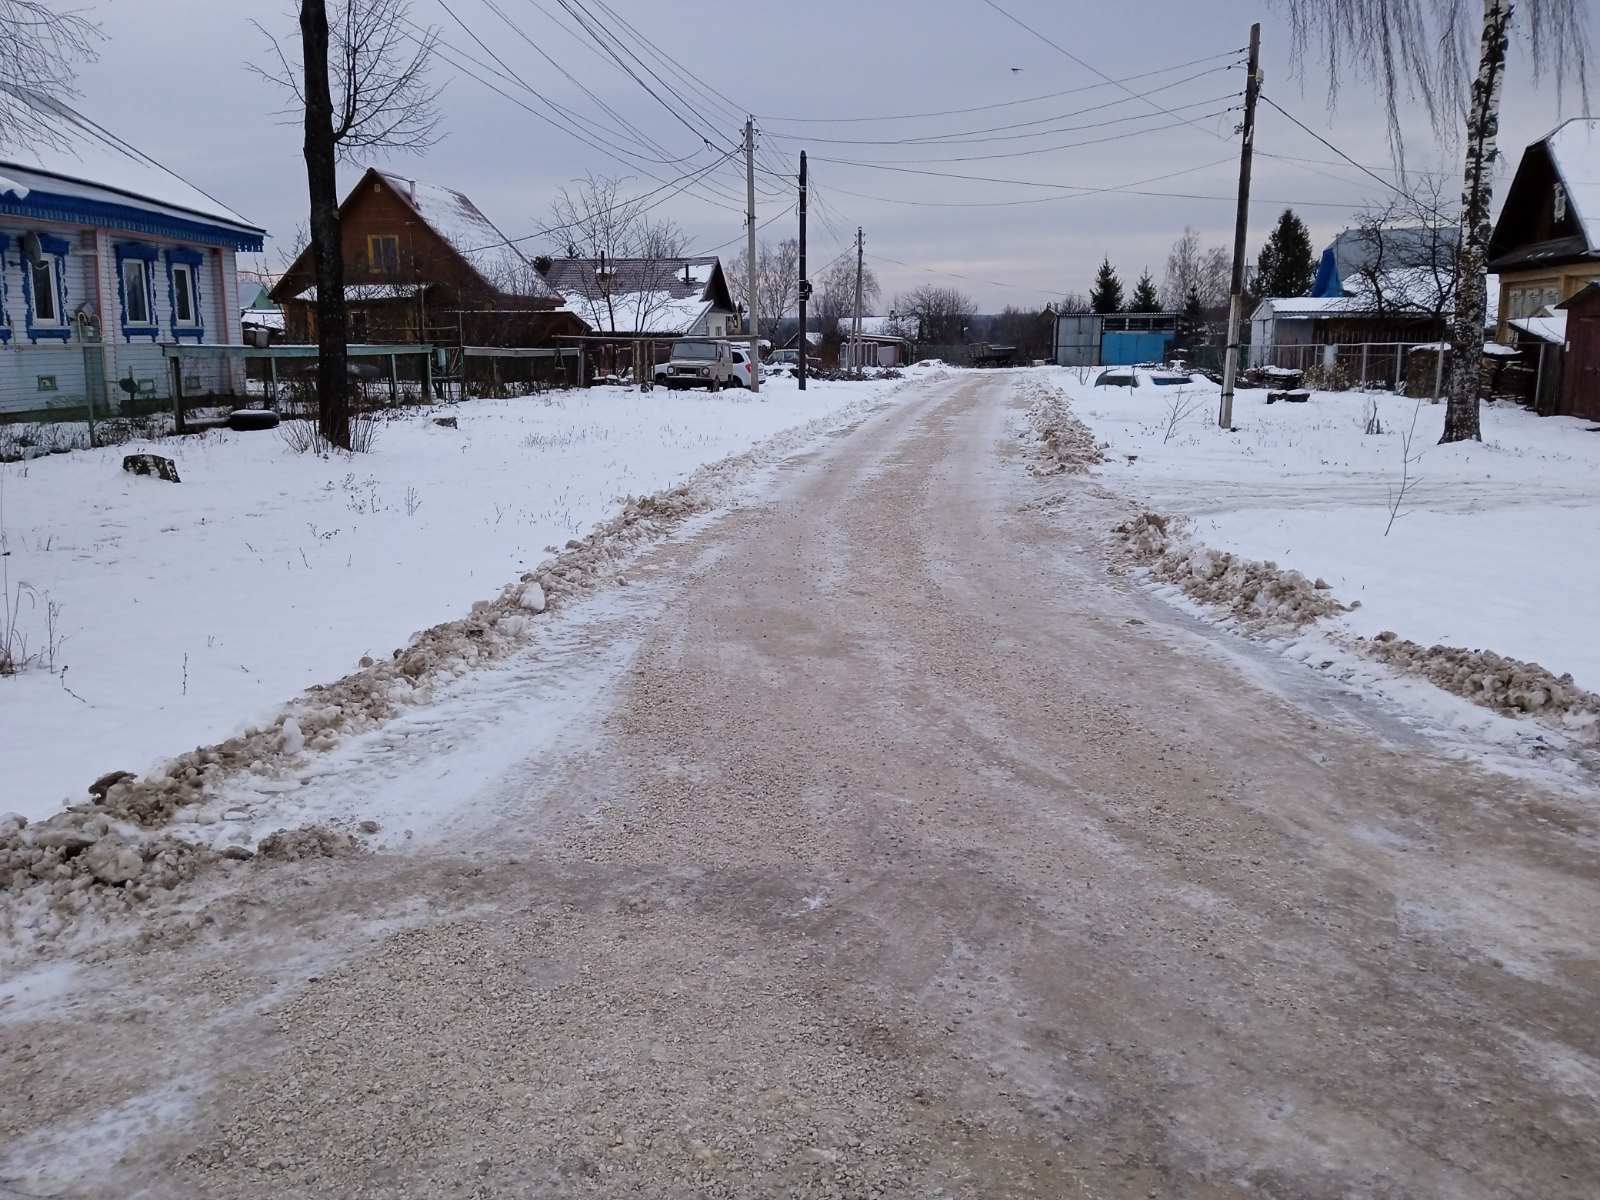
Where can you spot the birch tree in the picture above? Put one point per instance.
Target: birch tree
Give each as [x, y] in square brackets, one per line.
[1424, 48]
[42, 44]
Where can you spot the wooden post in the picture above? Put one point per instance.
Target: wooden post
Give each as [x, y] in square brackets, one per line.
[394, 380]
[272, 370]
[1438, 375]
[178, 424]
[1365, 348]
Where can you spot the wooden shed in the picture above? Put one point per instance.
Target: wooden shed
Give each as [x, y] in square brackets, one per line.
[1580, 383]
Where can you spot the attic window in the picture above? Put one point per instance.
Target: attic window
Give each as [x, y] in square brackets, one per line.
[383, 253]
[1560, 203]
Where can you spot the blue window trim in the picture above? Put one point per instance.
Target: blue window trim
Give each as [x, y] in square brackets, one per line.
[183, 256]
[5, 309]
[149, 255]
[57, 248]
[42, 205]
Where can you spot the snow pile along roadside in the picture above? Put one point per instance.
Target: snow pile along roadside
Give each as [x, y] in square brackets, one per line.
[1259, 594]
[1492, 680]
[1064, 444]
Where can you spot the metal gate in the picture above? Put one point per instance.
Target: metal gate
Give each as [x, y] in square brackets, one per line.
[1078, 340]
[1124, 348]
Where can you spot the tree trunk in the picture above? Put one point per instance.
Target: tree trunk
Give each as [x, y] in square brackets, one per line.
[1483, 130]
[327, 248]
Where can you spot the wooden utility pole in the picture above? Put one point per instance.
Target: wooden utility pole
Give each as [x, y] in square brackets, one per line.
[750, 250]
[805, 284]
[1241, 230]
[855, 330]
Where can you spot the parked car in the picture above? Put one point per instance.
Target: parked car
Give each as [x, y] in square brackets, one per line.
[698, 362]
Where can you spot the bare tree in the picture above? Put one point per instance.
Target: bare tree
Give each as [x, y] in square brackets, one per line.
[361, 85]
[1423, 48]
[41, 46]
[1074, 304]
[942, 313]
[1405, 256]
[836, 295]
[777, 281]
[1192, 268]
[634, 257]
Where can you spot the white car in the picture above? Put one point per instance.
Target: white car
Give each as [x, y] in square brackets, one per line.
[708, 364]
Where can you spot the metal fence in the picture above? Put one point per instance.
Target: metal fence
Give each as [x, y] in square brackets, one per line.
[1339, 365]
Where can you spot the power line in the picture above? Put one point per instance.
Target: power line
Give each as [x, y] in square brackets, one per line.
[1115, 137]
[1088, 66]
[1394, 187]
[957, 275]
[1082, 191]
[956, 112]
[957, 137]
[1080, 128]
[617, 207]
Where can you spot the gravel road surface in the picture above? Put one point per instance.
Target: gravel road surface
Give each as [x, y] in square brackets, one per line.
[915, 854]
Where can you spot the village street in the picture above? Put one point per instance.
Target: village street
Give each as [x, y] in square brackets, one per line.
[908, 851]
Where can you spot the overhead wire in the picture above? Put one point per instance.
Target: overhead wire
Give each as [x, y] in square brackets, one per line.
[956, 112]
[607, 211]
[959, 136]
[1088, 66]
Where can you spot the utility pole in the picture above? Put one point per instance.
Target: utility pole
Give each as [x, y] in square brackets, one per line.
[805, 284]
[750, 250]
[855, 332]
[1241, 229]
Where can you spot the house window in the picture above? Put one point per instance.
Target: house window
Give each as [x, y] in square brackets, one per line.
[43, 277]
[383, 253]
[136, 291]
[44, 286]
[183, 305]
[1560, 207]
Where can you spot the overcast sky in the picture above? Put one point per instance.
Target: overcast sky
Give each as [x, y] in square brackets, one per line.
[206, 115]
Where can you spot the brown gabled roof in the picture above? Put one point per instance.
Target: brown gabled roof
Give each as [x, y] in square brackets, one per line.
[459, 224]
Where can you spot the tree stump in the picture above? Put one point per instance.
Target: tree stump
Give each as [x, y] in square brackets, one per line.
[151, 464]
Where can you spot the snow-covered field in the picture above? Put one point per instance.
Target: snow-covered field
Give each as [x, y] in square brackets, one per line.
[1496, 546]
[179, 613]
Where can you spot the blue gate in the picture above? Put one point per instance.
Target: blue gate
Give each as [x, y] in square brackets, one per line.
[1123, 348]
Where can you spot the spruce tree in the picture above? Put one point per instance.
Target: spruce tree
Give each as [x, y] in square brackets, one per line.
[1107, 294]
[1191, 322]
[1146, 299]
[1287, 266]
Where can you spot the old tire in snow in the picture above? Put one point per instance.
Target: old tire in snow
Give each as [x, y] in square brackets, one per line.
[245, 419]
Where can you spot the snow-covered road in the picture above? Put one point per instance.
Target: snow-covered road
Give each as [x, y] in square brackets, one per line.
[891, 846]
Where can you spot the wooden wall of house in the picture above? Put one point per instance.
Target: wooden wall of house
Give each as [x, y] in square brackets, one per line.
[42, 376]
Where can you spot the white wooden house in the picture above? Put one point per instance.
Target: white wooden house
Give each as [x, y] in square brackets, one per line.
[107, 256]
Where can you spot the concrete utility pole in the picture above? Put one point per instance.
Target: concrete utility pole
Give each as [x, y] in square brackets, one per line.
[750, 250]
[855, 332]
[1241, 230]
[805, 284]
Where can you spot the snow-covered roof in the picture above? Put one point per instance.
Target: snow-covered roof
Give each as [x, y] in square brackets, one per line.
[455, 218]
[891, 327]
[368, 291]
[1552, 328]
[262, 318]
[640, 312]
[90, 163]
[1575, 150]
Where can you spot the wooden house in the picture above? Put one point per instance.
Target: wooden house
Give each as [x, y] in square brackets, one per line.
[423, 264]
[106, 256]
[1546, 244]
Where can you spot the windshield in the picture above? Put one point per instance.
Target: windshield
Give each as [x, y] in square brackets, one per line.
[695, 350]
